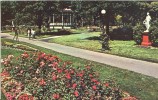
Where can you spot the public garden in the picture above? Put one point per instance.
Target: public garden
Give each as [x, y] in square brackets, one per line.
[79, 50]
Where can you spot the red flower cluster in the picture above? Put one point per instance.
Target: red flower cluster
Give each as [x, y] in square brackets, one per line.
[25, 55]
[42, 82]
[57, 79]
[56, 96]
[25, 97]
[5, 73]
[76, 93]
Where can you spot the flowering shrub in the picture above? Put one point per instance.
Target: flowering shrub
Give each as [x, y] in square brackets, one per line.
[46, 77]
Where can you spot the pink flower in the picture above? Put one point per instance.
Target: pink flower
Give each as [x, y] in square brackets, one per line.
[55, 64]
[74, 85]
[42, 82]
[25, 97]
[10, 57]
[42, 63]
[68, 76]
[56, 96]
[94, 87]
[59, 70]
[106, 84]
[88, 67]
[80, 74]
[9, 96]
[54, 77]
[5, 73]
[76, 93]
[51, 59]
[43, 55]
[25, 55]
[90, 75]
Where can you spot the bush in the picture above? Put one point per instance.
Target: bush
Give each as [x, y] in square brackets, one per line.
[137, 36]
[154, 36]
[122, 33]
[46, 77]
[154, 33]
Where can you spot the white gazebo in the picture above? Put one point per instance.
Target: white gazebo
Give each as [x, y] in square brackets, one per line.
[63, 20]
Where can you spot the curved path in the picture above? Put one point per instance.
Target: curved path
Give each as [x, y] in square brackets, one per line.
[143, 67]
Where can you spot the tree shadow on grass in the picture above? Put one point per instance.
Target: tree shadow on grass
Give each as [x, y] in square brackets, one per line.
[61, 32]
[93, 38]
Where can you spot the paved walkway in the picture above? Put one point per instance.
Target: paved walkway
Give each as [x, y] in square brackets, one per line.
[143, 67]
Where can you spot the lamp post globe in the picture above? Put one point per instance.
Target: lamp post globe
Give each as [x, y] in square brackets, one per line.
[103, 11]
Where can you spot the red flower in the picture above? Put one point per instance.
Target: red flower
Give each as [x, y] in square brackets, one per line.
[42, 82]
[68, 76]
[106, 84]
[72, 71]
[25, 97]
[74, 85]
[94, 80]
[90, 75]
[43, 55]
[25, 55]
[56, 96]
[54, 77]
[94, 87]
[55, 64]
[46, 57]
[88, 67]
[76, 93]
[42, 63]
[81, 74]
[5, 73]
[9, 96]
[51, 59]
[59, 70]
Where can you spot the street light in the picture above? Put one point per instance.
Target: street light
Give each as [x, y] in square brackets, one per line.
[104, 37]
[103, 11]
[103, 18]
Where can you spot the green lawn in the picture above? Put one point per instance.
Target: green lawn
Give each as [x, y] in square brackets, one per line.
[90, 41]
[144, 87]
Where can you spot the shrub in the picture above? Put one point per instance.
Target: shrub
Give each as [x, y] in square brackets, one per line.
[46, 77]
[122, 33]
[137, 36]
[154, 36]
[154, 33]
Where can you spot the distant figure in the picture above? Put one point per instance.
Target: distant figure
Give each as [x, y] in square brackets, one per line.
[146, 22]
[29, 33]
[32, 33]
[16, 33]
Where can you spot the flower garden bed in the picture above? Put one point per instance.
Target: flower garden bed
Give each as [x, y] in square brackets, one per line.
[18, 46]
[38, 76]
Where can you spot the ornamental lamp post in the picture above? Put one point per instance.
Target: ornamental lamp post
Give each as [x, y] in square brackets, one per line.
[103, 12]
[104, 37]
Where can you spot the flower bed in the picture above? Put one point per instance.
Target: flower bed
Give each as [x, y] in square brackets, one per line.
[38, 76]
[18, 46]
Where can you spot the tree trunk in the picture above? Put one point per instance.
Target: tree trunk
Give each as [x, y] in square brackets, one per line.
[39, 22]
[107, 20]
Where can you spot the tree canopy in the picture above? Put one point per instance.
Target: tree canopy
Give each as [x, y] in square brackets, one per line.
[85, 12]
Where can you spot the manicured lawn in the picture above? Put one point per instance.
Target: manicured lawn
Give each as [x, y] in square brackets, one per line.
[144, 87]
[90, 41]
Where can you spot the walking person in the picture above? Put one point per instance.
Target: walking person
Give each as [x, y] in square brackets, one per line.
[29, 33]
[16, 33]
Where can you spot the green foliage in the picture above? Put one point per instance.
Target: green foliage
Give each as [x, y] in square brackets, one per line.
[137, 36]
[154, 33]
